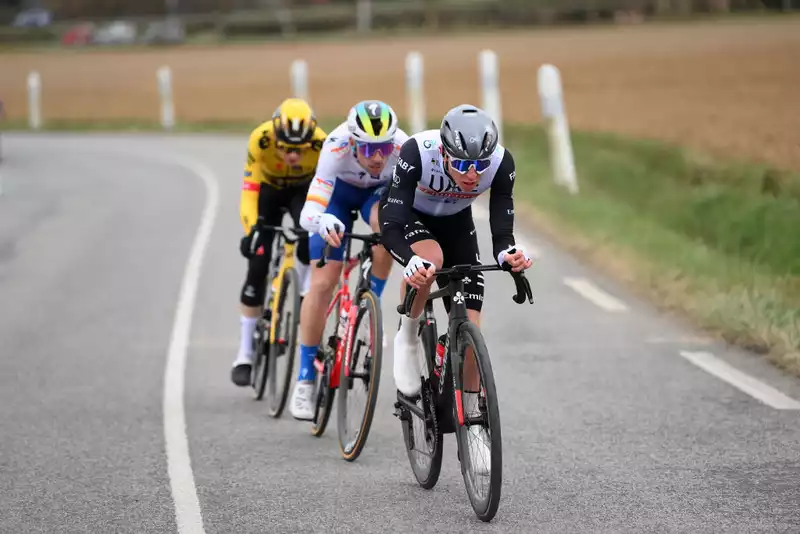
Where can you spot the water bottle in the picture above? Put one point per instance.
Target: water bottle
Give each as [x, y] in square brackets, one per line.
[441, 351]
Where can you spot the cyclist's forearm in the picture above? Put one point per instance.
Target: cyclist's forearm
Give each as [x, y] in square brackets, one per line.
[502, 226]
[317, 199]
[310, 215]
[501, 205]
[393, 238]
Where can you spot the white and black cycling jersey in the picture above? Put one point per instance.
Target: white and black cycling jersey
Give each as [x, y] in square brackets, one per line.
[420, 183]
[436, 193]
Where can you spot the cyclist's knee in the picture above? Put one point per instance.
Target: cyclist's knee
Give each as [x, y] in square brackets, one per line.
[324, 280]
[429, 250]
[254, 288]
[474, 316]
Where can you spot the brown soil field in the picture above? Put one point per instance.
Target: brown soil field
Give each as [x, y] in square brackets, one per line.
[724, 87]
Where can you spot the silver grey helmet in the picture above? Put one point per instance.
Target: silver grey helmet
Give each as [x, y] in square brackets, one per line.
[468, 132]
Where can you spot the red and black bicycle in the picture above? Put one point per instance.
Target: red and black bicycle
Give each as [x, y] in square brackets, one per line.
[350, 352]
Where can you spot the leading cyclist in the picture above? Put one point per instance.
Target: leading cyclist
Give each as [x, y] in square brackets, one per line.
[355, 165]
[282, 155]
[426, 217]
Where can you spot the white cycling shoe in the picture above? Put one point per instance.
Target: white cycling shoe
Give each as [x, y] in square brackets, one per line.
[407, 356]
[302, 407]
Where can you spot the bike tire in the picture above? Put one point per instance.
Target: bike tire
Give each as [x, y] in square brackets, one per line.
[290, 292]
[324, 402]
[485, 508]
[261, 364]
[324, 394]
[427, 476]
[351, 450]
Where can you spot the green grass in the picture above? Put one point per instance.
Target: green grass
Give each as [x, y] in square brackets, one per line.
[717, 241]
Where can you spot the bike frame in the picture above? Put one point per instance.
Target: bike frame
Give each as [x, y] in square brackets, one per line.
[285, 247]
[452, 361]
[343, 297]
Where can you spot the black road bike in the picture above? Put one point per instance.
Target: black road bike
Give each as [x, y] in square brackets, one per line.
[444, 406]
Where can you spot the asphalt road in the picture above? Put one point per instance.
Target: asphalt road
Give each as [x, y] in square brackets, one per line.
[605, 426]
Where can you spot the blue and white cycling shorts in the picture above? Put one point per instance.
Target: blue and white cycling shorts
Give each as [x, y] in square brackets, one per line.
[344, 199]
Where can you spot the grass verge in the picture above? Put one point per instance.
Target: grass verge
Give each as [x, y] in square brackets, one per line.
[716, 241]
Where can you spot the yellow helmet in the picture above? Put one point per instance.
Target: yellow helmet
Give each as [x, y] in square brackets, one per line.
[294, 122]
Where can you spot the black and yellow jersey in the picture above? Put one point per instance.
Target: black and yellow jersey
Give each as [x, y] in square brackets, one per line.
[265, 165]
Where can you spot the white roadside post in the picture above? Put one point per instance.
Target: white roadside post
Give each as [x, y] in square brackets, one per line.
[364, 16]
[34, 100]
[299, 76]
[164, 77]
[414, 92]
[490, 88]
[555, 116]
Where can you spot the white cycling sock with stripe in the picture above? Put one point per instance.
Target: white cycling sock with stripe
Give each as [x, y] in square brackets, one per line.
[248, 326]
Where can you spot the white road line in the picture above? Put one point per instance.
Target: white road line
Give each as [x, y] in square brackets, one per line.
[591, 292]
[746, 383]
[181, 478]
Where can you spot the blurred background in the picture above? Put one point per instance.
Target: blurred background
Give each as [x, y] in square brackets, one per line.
[151, 21]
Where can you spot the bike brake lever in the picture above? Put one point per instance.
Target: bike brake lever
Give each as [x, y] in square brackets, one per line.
[523, 289]
[408, 301]
[324, 259]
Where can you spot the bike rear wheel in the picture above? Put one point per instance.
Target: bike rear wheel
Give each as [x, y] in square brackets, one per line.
[481, 431]
[360, 372]
[323, 393]
[282, 350]
[423, 437]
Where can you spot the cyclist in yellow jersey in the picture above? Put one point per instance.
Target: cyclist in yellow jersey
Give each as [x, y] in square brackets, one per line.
[282, 158]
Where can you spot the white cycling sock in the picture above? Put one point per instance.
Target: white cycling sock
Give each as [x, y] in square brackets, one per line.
[248, 326]
[470, 399]
[408, 327]
[304, 276]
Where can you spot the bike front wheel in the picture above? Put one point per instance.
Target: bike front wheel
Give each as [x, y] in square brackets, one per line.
[423, 435]
[360, 375]
[283, 348]
[479, 439]
[323, 392]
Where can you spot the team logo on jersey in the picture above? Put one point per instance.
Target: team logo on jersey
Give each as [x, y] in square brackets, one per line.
[428, 143]
[441, 186]
[404, 165]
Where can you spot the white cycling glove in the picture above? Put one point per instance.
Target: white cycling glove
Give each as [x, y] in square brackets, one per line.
[415, 264]
[328, 223]
[501, 258]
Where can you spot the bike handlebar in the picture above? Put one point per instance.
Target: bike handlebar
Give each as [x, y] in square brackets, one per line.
[523, 287]
[298, 232]
[371, 239]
